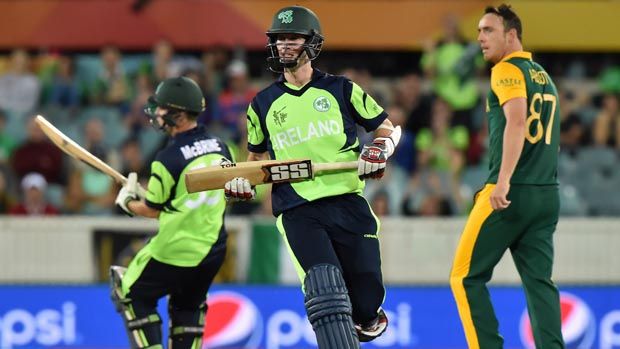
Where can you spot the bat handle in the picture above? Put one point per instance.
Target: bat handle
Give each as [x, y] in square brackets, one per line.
[141, 191]
[334, 166]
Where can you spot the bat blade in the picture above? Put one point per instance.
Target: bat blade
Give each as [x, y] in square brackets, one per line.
[257, 172]
[73, 149]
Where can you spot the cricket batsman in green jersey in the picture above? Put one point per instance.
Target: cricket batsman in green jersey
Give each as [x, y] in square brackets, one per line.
[331, 232]
[518, 207]
[181, 260]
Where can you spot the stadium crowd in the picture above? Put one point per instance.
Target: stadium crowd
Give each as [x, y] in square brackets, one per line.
[98, 101]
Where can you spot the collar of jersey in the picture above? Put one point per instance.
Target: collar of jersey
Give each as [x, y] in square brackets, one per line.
[188, 132]
[518, 54]
[316, 74]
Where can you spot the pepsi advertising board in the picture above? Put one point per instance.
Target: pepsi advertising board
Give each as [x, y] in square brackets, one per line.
[273, 317]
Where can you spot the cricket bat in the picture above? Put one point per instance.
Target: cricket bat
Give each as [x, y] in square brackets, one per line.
[67, 145]
[260, 172]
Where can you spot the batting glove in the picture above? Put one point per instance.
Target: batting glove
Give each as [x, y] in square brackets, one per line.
[239, 189]
[129, 192]
[371, 163]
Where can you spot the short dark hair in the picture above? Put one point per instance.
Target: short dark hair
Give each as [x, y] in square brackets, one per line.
[509, 17]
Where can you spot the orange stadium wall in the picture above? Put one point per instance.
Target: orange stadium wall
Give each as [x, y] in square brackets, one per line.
[348, 24]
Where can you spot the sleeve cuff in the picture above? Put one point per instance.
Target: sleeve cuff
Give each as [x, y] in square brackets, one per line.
[159, 207]
[261, 148]
[511, 95]
[372, 124]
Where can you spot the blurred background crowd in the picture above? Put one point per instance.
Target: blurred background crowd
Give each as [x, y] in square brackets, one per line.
[437, 94]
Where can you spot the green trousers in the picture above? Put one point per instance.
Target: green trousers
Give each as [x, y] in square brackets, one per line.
[526, 228]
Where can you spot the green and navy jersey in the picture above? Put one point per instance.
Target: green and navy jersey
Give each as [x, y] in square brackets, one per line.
[318, 122]
[518, 76]
[189, 224]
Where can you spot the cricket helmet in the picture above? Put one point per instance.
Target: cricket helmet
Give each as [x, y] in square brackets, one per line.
[294, 20]
[181, 94]
[178, 94]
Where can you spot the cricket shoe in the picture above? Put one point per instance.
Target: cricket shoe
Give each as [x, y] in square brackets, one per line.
[373, 329]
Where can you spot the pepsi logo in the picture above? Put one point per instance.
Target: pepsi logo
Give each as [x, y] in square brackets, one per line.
[232, 321]
[578, 325]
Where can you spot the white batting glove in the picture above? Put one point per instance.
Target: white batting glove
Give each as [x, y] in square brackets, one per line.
[372, 160]
[129, 192]
[239, 189]
[371, 163]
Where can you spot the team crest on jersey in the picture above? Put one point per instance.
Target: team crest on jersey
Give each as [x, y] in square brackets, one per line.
[322, 104]
[286, 16]
[279, 117]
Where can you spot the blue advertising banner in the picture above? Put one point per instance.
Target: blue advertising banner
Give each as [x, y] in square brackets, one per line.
[272, 317]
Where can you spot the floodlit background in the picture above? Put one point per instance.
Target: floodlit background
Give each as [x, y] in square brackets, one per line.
[89, 66]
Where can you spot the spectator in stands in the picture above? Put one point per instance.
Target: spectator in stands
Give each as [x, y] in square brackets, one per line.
[407, 94]
[451, 63]
[89, 191]
[112, 85]
[405, 154]
[572, 132]
[19, 87]
[442, 146]
[606, 130]
[196, 75]
[7, 142]
[609, 80]
[430, 193]
[233, 101]
[476, 153]
[380, 202]
[350, 73]
[572, 128]
[407, 164]
[6, 199]
[161, 65]
[134, 119]
[132, 160]
[165, 63]
[33, 201]
[95, 139]
[199, 77]
[429, 205]
[38, 154]
[215, 60]
[64, 90]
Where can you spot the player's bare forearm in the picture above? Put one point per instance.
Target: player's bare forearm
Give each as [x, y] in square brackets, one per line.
[514, 136]
[139, 208]
[258, 156]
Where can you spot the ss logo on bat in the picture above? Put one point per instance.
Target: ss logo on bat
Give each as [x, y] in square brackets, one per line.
[290, 172]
